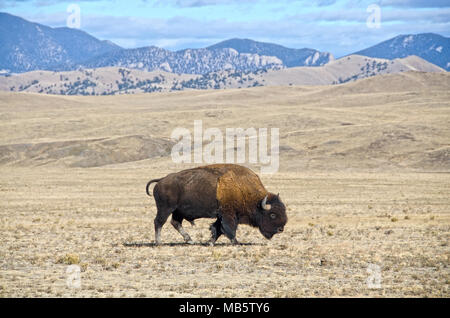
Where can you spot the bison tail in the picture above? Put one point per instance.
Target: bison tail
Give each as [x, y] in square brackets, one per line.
[148, 185]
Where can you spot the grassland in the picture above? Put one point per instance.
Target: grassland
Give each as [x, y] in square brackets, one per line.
[364, 172]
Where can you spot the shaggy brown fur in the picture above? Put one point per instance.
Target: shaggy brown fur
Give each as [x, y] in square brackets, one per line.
[228, 192]
[239, 193]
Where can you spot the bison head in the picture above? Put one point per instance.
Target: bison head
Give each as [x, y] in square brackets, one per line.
[272, 216]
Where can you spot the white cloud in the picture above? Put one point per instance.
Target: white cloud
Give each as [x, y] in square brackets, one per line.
[416, 3]
[337, 31]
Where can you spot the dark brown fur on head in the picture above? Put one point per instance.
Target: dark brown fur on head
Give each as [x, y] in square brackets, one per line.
[271, 220]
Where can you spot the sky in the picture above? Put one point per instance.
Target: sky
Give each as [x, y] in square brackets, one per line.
[339, 27]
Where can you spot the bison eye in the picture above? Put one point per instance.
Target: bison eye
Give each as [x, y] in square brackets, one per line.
[273, 216]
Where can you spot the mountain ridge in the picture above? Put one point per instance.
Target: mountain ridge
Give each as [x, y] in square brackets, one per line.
[290, 57]
[187, 61]
[429, 46]
[26, 46]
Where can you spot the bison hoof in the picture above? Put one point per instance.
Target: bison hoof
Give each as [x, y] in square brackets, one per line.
[190, 242]
[211, 242]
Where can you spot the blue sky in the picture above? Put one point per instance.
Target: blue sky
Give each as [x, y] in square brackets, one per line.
[335, 26]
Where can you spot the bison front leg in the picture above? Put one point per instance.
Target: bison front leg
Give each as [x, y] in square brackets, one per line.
[229, 227]
[216, 231]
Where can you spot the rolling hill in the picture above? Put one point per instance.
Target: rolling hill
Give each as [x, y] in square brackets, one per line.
[382, 123]
[118, 80]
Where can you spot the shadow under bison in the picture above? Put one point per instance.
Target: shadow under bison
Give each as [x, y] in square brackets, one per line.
[153, 244]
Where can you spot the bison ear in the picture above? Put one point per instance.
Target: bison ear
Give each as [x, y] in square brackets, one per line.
[277, 197]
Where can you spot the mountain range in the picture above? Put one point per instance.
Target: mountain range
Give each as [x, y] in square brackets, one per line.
[26, 46]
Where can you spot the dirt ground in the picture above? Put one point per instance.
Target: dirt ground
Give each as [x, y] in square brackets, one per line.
[364, 173]
[339, 224]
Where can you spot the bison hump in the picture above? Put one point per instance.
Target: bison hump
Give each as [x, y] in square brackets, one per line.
[239, 193]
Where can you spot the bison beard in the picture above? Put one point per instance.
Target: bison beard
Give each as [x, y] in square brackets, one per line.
[230, 193]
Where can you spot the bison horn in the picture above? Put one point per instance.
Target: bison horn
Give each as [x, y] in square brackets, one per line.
[264, 205]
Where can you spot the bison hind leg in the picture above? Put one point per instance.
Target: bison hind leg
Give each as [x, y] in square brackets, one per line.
[160, 219]
[176, 222]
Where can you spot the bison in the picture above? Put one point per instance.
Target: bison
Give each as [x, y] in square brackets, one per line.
[232, 194]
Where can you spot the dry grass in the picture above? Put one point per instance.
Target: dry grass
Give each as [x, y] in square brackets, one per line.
[101, 219]
[369, 198]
